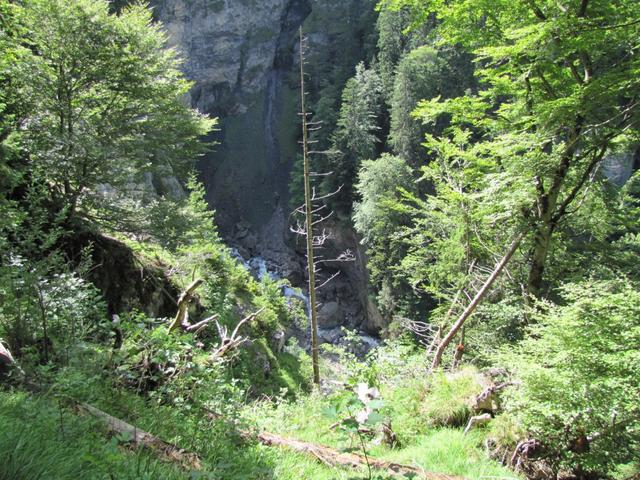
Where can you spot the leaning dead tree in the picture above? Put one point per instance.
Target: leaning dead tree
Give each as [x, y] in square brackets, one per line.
[475, 301]
[314, 212]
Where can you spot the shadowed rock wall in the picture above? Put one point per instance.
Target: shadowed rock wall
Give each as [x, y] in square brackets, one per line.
[242, 55]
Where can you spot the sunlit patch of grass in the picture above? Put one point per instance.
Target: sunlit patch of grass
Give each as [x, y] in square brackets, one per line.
[41, 441]
[450, 451]
[448, 397]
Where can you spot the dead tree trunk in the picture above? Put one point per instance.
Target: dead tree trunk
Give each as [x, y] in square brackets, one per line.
[309, 224]
[183, 305]
[314, 211]
[165, 450]
[476, 301]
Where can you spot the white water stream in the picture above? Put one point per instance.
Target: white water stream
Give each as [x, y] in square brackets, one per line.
[259, 268]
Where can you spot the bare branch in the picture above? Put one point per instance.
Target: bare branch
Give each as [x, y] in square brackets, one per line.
[228, 343]
[327, 280]
[328, 195]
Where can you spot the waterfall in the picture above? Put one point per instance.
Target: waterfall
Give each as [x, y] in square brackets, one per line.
[259, 268]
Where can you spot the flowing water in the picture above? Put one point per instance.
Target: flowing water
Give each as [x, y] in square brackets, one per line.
[260, 269]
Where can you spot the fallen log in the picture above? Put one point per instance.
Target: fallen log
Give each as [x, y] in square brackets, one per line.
[166, 451]
[335, 458]
[326, 455]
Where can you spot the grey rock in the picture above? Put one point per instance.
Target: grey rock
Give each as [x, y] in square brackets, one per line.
[618, 167]
[242, 56]
[331, 336]
[330, 315]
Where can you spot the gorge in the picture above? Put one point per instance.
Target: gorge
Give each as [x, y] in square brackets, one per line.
[242, 57]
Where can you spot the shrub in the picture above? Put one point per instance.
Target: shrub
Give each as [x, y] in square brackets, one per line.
[42, 316]
[580, 374]
[449, 395]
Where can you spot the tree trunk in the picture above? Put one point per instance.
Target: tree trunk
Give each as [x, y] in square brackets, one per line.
[548, 213]
[476, 300]
[309, 225]
[539, 253]
[332, 457]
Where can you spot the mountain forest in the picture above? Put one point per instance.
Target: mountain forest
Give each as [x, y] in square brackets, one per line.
[320, 239]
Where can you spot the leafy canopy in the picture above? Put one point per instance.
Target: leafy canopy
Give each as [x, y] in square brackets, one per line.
[106, 101]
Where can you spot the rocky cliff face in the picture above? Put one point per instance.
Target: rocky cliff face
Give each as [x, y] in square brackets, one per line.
[242, 56]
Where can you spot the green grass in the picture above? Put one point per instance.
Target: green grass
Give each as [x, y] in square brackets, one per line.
[449, 451]
[448, 397]
[224, 453]
[442, 450]
[34, 446]
[42, 441]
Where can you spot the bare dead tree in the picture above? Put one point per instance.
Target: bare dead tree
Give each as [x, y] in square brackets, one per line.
[312, 214]
[233, 341]
[182, 316]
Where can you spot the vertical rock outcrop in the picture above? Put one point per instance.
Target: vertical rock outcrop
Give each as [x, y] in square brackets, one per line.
[241, 54]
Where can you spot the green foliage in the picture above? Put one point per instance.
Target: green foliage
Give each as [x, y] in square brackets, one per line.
[402, 381]
[453, 231]
[394, 41]
[449, 450]
[356, 135]
[349, 26]
[44, 315]
[41, 441]
[544, 116]
[172, 369]
[379, 217]
[423, 74]
[448, 397]
[105, 103]
[580, 371]
[416, 405]
[356, 409]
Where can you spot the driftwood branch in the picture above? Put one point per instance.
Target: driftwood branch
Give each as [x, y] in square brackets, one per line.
[197, 327]
[182, 316]
[476, 421]
[166, 451]
[233, 341]
[334, 458]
